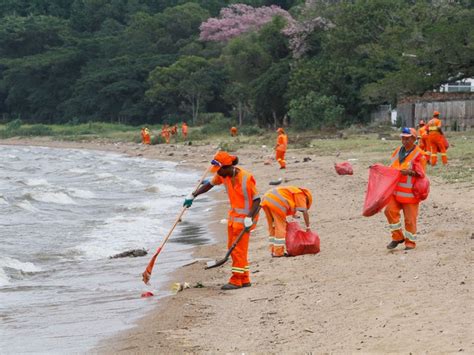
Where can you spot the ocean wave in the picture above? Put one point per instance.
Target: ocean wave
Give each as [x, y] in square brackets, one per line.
[81, 193]
[26, 205]
[51, 197]
[3, 201]
[105, 175]
[78, 171]
[153, 188]
[35, 182]
[4, 280]
[7, 262]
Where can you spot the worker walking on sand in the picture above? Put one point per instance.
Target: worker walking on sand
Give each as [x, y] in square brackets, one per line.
[436, 140]
[184, 130]
[244, 202]
[165, 133]
[423, 139]
[278, 203]
[145, 136]
[233, 131]
[280, 148]
[411, 162]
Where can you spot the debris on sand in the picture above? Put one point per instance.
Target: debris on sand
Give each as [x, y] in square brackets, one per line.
[130, 254]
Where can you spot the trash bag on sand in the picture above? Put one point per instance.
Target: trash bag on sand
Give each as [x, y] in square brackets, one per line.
[344, 168]
[299, 242]
[381, 185]
[421, 188]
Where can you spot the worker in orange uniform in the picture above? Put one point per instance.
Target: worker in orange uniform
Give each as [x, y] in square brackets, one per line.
[184, 130]
[436, 140]
[280, 148]
[411, 162]
[165, 133]
[146, 136]
[174, 130]
[423, 139]
[279, 203]
[142, 134]
[233, 131]
[244, 203]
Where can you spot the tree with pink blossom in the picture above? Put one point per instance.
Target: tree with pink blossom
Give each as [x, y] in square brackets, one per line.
[237, 19]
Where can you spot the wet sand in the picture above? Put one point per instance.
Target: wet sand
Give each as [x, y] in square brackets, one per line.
[353, 296]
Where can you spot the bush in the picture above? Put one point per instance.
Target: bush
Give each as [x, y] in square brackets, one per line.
[208, 117]
[218, 125]
[14, 125]
[36, 130]
[251, 131]
[314, 111]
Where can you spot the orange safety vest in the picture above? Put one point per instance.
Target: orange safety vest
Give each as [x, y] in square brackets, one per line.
[404, 190]
[282, 200]
[422, 131]
[433, 126]
[184, 129]
[241, 191]
[282, 142]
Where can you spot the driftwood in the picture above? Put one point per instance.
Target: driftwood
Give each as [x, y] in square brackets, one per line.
[130, 254]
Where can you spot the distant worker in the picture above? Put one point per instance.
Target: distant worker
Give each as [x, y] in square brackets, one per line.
[233, 131]
[145, 136]
[174, 130]
[279, 203]
[423, 142]
[184, 130]
[436, 140]
[244, 202]
[280, 148]
[411, 162]
[165, 133]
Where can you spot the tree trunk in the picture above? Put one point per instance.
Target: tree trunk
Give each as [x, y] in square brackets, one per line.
[240, 113]
[275, 120]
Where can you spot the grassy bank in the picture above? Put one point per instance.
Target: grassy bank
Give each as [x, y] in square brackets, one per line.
[368, 141]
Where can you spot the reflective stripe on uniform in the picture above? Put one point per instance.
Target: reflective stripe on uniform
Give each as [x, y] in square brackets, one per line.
[275, 203]
[408, 184]
[271, 240]
[279, 241]
[238, 270]
[283, 200]
[395, 226]
[410, 236]
[301, 209]
[404, 194]
[241, 210]
[246, 194]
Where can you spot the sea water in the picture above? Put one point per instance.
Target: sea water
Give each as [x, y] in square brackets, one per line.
[63, 213]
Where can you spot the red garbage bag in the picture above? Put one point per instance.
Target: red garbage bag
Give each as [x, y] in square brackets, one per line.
[344, 168]
[445, 142]
[299, 242]
[381, 185]
[421, 188]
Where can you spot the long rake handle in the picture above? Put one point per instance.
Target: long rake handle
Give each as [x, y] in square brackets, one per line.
[147, 273]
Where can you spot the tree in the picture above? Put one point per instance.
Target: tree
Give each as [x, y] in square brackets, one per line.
[189, 79]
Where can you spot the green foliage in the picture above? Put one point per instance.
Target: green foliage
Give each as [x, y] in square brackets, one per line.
[313, 111]
[251, 131]
[138, 61]
[217, 125]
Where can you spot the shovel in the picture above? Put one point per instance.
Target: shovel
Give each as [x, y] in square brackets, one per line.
[215, 263]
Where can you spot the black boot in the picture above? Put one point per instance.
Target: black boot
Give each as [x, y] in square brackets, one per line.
[393, 244]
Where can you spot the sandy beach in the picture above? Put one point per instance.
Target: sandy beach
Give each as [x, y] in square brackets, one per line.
[354, 295]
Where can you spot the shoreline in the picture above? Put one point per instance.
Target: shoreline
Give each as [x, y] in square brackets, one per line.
[353, 296]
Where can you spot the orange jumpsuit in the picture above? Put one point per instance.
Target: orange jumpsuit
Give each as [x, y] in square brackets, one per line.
[423, 141]
[282, 143]
[142, 133]
[233, 131]
[165, 133]
[241, 190]
[184, 130]
[278, 203]
[436, 141]
[403, 198]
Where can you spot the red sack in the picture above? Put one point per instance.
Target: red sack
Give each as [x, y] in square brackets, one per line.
[299, 242]
[421, 188]
[381, 186]
[344, 168]
[445, 142]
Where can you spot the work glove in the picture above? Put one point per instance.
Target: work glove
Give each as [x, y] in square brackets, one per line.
[188, 201]
[248, 222]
